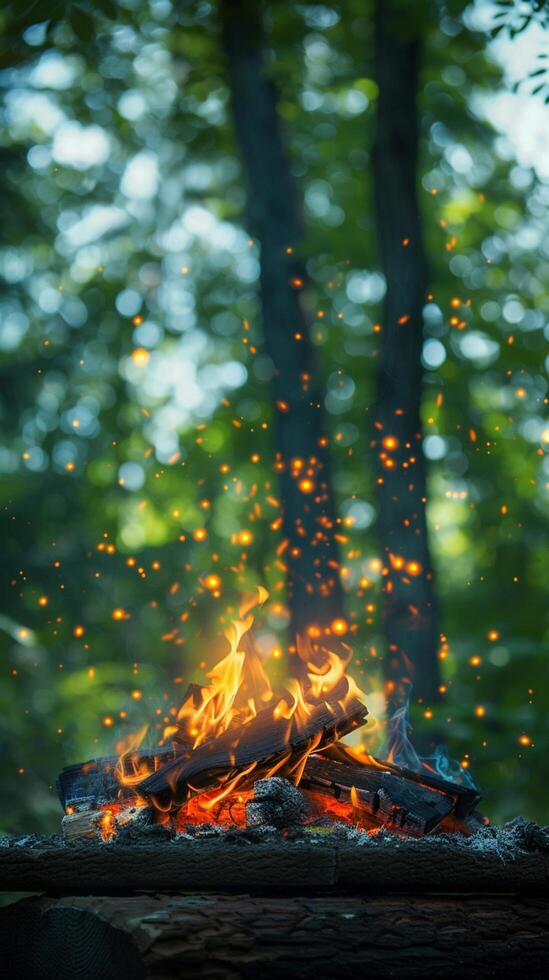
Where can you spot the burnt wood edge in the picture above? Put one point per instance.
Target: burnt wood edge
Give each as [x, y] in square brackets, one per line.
[270, 864]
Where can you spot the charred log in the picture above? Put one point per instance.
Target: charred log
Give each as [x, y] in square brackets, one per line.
[264, 745]
[514, 859]
[466, 798]
[396, 802]
[89, 784]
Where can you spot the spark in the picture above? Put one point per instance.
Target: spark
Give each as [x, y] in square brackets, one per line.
[306, 485]
[413, 568]
[140, 356]
[245, 537]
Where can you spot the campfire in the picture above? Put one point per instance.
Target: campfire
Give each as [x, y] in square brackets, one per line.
[242, 754]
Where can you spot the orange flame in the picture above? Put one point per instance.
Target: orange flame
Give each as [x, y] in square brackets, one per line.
[130, 771]
[237, 689]
[237, 684]
[107, 827]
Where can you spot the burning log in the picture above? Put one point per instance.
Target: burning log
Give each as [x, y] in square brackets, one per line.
[465, 797]
[375, 794]
[265, 745]
[86, 785]
[392, 799]
[105, 823]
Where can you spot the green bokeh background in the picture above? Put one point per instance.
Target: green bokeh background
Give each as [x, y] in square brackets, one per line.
[123, 198]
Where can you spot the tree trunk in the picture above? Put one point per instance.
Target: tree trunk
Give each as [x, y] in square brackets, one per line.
[409, 596]
[311, 558]
[221, 936]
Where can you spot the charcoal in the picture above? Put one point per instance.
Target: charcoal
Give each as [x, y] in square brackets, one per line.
[276, 803]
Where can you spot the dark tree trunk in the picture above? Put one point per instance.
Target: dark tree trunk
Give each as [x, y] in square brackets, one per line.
[409, 596]
[311, 555]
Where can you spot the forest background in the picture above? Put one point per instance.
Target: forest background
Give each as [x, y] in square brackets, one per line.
[237, 238]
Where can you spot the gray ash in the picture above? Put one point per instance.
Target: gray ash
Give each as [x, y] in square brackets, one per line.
[277, 804]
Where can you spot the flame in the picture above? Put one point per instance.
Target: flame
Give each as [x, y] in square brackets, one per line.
[106, 825]
[238, 689]
[237, 684]
[130, 770]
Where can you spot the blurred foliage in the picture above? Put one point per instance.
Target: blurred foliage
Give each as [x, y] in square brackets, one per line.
[137, 456]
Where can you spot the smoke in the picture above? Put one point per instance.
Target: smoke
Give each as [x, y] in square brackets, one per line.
[402, 752]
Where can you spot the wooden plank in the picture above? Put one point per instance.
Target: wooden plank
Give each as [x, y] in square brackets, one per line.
[263, 743]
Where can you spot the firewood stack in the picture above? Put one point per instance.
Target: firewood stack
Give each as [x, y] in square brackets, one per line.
[332, 781]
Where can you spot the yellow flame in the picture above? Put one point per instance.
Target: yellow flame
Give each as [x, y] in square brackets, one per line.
[237, 689]
[129, 769]
[236, 684]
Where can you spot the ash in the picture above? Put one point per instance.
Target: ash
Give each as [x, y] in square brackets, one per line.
[277, 803]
